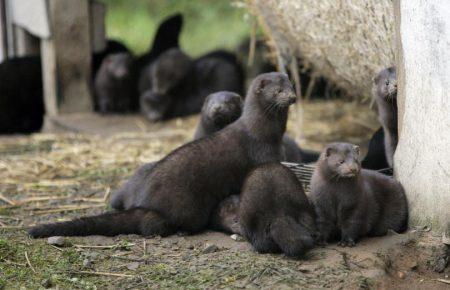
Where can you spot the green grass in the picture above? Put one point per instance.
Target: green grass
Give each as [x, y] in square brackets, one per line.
[208, 24]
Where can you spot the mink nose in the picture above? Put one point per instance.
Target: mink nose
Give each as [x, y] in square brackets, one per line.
[216, 109]
[354, 169]
[292, 98]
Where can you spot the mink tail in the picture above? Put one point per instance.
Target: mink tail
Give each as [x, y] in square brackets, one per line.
[133, 221]
[167, 35]
[292, 238]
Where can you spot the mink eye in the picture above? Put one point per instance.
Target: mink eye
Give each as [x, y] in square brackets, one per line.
[341, 161]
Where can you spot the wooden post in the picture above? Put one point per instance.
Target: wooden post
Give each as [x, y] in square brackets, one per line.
[422, 158]
[97, 15]
[66, 58]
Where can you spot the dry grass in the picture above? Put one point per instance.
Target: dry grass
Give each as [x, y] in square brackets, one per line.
[347, 41]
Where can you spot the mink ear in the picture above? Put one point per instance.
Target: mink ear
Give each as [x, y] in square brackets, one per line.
[356, 148]
[262, 84]
[328, 151]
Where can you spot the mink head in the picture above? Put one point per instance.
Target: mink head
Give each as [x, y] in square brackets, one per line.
[154, 106]
[386, 84]
[169, 70]
[342, 159]
[273, 92]
[222, 108]
[118, 65]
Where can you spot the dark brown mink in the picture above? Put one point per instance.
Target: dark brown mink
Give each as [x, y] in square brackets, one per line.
[176, 85]
[275, 214]
[219, 110]
[113, 85]
[192, 180]
[351, 202]
[21, 97]
[386, 98]
[225, 217]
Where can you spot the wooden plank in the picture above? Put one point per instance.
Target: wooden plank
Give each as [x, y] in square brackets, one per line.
[49, 79]
[66, 58]
[422, 158]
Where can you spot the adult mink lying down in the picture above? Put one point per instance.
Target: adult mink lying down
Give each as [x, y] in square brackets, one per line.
[351, 202]
[190, 182]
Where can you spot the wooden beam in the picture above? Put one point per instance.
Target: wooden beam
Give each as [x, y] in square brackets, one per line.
[66, 57]
[422, 158]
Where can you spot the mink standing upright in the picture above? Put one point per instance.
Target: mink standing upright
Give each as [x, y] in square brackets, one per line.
[351, 202]
[386, 98]
[190, 182]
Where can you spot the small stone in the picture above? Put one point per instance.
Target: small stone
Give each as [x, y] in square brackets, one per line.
[401, 275]
[210, 248]
[237, 237]
[58, 241]
[190, 247]
[47, 283]
[133, 266]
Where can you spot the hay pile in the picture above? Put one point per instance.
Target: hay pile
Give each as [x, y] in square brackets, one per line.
[346, 41]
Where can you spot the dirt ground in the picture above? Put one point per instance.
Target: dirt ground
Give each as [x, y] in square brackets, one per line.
[52, 177]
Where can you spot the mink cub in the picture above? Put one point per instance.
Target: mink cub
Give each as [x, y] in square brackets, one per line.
[351, 202]
[114, 85]
[219, 110]
[275, 214]
[386, 98]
